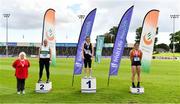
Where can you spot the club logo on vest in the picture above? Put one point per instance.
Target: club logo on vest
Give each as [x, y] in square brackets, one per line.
[147, 38]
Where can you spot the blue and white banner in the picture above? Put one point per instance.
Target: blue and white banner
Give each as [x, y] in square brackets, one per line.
[120, 41]
[85, 31]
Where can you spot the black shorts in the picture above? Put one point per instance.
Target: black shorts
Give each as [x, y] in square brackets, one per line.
[87, 62]
[136, 63]
[44, 59]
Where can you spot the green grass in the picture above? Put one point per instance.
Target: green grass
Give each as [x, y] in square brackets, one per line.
[168, 54]
[162, 84]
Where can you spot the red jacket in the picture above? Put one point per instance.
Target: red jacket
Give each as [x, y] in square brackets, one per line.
[21, 67]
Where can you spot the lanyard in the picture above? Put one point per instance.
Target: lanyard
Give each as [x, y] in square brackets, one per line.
[22, 62]
[87, 45]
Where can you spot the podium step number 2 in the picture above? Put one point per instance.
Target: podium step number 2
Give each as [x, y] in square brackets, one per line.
[43, 87]
[88, 85]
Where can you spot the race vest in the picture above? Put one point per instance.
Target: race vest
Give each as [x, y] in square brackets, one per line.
[45, 52]
[87, 50]
[136, 54]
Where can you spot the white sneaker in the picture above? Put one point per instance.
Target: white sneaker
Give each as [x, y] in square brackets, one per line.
[39, 81]
[85, 76]
[18, 92]
[23, 92]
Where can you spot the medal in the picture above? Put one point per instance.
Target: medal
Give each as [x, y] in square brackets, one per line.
[22, 63]
[136, 58]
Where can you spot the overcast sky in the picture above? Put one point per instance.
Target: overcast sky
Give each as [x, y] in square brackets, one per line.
[27, 17]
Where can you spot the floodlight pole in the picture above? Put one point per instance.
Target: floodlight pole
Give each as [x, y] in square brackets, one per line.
[6, 16]
[174, 16]
[81, 17]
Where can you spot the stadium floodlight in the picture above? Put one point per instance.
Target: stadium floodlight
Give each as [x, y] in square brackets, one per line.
[81, 17]
[6, 16]
[174, 16]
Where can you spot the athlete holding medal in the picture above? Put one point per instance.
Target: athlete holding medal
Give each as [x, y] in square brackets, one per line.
[135, 57]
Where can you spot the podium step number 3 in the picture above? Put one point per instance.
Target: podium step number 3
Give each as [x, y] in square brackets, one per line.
[88, 85]
[43, 87]
[137, 90]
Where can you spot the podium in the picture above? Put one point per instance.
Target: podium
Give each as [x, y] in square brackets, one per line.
[88, 85]
[43, 87]
[137, 90]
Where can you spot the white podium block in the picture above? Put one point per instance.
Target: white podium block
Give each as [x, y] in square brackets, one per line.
[43, 87]
[88, 85]
[137, 90]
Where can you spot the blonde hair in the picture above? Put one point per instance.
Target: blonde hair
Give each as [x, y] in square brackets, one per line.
[22, 53]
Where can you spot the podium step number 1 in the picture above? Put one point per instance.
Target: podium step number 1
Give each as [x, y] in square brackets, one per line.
[88, 85]
[43, 87]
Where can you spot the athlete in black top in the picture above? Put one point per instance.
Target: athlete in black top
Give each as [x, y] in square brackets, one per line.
[87, 54]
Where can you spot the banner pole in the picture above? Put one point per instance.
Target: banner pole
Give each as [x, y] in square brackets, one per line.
[108, 81]
[73, 80]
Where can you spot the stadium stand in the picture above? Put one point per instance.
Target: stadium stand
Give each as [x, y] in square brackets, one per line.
[62, 49]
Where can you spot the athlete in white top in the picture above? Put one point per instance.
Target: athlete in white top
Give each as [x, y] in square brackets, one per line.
[45, 54]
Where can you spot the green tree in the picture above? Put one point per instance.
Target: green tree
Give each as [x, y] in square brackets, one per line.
[113, 30]
[176, 39]
[111, 35]
[107, 38]
[138, 34]
[163, 46]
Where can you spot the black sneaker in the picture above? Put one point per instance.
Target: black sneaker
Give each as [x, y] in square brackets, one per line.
[47, 81]
[133, 86]
[138, 85]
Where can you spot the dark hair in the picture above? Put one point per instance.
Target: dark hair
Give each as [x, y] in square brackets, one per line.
[87, 37]
[137, 43]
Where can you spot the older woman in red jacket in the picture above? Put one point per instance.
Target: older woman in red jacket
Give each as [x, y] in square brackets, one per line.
[21, 66]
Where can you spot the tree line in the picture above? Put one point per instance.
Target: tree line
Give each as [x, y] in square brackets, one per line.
[111, 35]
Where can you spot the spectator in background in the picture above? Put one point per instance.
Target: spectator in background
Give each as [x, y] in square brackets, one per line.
[21, 66]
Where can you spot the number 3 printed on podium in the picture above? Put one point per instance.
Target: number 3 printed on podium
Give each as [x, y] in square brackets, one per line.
[138, 90]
